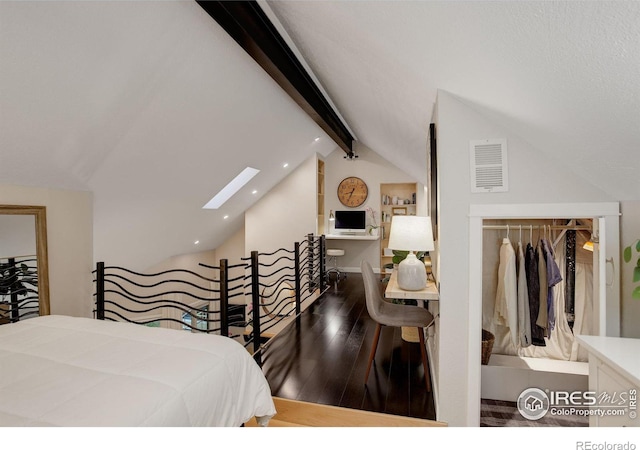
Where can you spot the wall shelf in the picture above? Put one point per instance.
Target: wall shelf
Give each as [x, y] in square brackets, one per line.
[394, 196]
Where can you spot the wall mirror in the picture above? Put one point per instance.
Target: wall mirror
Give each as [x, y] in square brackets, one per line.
[24, 269]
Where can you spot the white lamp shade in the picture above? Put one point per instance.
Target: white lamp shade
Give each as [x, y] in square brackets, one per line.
[411, 233]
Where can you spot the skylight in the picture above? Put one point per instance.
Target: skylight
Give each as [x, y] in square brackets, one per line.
[230, 189]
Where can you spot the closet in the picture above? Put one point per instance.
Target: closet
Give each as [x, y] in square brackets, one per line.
[537, 295]
[584, 301]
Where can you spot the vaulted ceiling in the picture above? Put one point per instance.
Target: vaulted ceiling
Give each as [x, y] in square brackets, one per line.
[154, 108]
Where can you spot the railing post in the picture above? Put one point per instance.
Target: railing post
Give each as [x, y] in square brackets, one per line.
[322, 263]
[255, 301]
[311, 258]
[13, 295]
[224, 297]
[298, 283]
[100, 291]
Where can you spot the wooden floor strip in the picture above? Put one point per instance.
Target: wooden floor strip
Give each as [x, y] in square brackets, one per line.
[295, 413]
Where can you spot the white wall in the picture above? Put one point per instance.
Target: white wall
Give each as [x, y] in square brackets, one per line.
[286, 214]
[232, 249]
[189, 261]
[374, 170]
[70, 244]
[629, 235]
[531, 180]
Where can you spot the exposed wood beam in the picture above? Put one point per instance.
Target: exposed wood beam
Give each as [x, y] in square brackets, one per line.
[247, 23]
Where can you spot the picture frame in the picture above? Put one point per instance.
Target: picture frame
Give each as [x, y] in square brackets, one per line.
[399, 211]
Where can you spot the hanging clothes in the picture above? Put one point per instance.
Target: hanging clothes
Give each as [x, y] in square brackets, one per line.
[570, 272]
[506, 303]
[553, 277]
[524, 319]
[543, 317]
[560, 340]
[533, 289]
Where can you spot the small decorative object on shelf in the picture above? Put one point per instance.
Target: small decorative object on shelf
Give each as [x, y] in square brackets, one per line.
[373, 225]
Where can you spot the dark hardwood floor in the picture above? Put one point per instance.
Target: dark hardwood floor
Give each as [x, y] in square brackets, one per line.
[322, 358]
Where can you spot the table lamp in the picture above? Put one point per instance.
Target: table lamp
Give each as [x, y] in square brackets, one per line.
[411, 233]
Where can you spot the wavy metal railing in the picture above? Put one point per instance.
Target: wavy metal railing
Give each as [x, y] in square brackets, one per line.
[19, 297]
[272, 286]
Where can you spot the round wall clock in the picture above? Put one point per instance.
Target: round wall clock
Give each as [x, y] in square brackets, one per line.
[352, 192]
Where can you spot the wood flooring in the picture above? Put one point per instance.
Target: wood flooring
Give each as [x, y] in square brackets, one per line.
[322, 357]
[294, 413]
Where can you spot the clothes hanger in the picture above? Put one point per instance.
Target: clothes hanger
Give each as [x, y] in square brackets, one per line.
[520, 240]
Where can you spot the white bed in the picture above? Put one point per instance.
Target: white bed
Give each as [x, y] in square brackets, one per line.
[69, 371]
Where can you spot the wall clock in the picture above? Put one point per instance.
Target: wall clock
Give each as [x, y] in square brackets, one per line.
[352, 192]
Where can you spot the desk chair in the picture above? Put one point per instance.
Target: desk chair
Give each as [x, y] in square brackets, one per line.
[333, 254]
[391, 314]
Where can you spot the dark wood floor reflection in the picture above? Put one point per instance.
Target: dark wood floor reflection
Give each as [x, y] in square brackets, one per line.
[322, 358]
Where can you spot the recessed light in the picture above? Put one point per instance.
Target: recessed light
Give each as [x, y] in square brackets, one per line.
[254, 191]
[196, 242]
[234, 186]
[316, 139]
[285, 165]
[226, 217]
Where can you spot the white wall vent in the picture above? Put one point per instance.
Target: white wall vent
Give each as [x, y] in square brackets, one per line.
[489, 165]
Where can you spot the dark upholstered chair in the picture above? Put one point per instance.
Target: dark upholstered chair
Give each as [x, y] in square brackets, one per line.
[393, 315]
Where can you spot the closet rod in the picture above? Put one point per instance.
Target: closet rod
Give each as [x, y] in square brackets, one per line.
[526, 227]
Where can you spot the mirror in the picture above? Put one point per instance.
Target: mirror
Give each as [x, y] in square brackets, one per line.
[24, 268]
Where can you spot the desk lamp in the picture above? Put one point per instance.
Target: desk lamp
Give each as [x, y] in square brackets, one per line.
[411, 233]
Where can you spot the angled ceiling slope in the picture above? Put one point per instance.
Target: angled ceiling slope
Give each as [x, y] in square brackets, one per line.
[250, 27]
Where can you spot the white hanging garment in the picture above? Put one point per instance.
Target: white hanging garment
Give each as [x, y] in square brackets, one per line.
[506, 304]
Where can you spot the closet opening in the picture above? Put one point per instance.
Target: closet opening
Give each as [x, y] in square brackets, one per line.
[537, 295]
[592, 306]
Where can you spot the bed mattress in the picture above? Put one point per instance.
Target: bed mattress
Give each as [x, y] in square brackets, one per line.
[69, 371]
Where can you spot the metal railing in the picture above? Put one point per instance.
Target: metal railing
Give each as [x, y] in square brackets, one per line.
[19, 297]
[250, 300]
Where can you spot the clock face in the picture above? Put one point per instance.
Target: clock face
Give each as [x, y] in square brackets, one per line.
[352, 192]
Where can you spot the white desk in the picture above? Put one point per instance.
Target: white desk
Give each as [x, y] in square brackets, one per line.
[352, 237]
[394, 291]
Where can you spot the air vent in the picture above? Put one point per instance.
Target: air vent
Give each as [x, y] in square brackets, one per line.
[489, 165]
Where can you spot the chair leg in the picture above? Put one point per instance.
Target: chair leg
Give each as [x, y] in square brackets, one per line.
[425, 361]
[374, 347]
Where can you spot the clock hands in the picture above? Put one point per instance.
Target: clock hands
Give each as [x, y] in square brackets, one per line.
[352, 191]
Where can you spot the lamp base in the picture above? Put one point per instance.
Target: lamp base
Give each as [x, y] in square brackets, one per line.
[412, 275]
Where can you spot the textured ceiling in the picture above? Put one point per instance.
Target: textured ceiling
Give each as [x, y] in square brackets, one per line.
[564, 76]
[153, 108]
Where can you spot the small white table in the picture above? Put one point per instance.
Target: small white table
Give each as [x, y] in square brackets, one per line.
[394, 291]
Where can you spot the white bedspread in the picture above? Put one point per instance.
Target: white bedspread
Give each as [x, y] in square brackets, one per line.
[67, 371]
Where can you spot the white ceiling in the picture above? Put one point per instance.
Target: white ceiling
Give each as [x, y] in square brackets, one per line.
[154, 108]
[565, 76]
